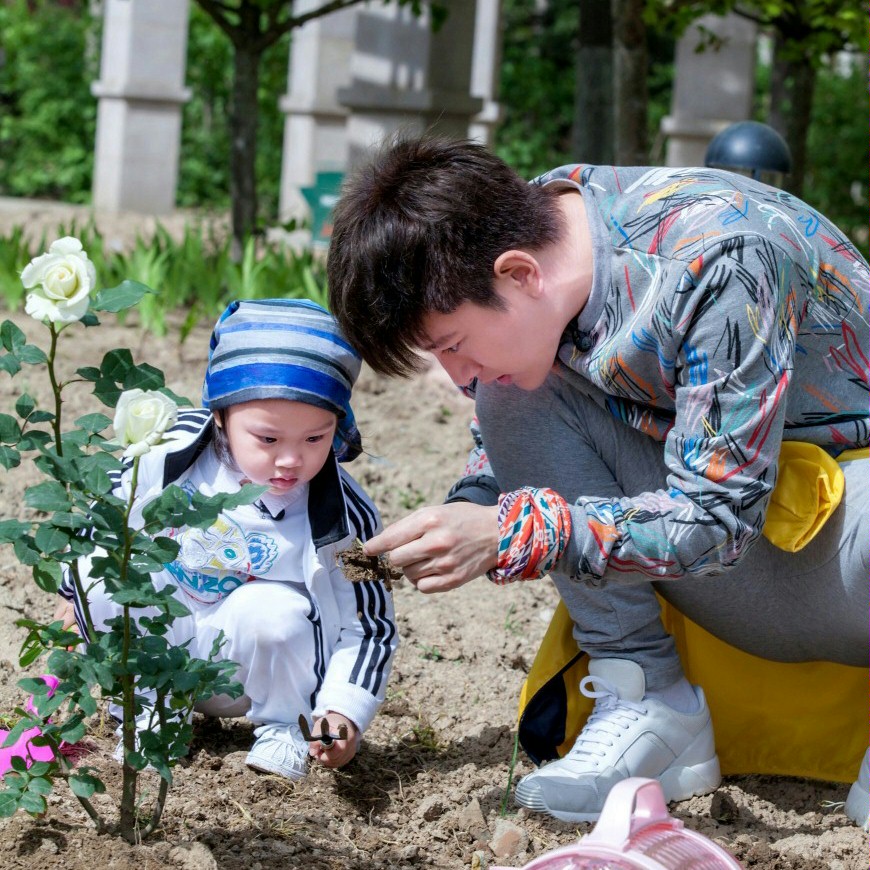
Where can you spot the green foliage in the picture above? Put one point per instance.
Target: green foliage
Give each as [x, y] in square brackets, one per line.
[47, 112]
[205, 138]
[195, 274]
[537, 85]
[838, 158]
[813, 28]
[72, 512]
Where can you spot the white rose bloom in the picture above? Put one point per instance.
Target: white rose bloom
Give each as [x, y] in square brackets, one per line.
[141, 418]
[60, 282]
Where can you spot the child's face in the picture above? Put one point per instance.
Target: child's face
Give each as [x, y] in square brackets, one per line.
[279, 443]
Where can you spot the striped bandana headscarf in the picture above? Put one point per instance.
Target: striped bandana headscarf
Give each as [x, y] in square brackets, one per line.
[284, 349]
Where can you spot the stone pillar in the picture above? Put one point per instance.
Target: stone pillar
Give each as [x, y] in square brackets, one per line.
[712, 89]
[141, 93]
[405, 77]
[485, 70]
[315, 138]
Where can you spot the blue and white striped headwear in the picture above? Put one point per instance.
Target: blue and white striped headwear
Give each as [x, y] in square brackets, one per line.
[284, 349]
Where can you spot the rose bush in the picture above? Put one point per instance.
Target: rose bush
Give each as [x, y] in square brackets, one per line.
[60, 282]
[76, 518]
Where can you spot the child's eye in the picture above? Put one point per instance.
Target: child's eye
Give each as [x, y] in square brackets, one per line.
[266, 439]
[452, 349]
[315, 439]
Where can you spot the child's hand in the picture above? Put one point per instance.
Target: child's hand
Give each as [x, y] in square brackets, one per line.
[340, 752]
[64, 611]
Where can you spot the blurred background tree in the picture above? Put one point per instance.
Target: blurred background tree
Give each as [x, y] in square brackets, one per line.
[557, 86]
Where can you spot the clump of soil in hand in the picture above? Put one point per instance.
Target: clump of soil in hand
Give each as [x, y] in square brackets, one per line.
[360, 566]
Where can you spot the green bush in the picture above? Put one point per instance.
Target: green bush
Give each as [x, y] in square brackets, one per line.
[205, 144]
[195, 274]
[48, 59]
[838, 157]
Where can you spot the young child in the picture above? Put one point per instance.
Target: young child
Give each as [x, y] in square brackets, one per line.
[640, 342]
[307, 640]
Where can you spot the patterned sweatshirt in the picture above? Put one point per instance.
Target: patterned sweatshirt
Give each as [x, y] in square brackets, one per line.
[724, 317]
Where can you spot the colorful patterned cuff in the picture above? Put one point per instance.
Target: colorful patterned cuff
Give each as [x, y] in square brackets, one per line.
[534, 530]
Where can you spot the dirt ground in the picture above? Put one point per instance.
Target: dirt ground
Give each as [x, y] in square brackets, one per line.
[427, 787]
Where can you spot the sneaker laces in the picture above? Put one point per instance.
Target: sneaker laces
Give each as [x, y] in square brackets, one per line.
[610, 717]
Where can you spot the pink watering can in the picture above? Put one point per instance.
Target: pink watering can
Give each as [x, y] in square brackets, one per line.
[635, 832]
[23, 748]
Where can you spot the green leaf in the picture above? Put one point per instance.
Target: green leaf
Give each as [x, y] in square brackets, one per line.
[11, 337]
[74, 729]
[25, 552]
[47, 575]
[47, 496]
[32, 803]
[145, 377]
[40, 768]
[8, 803]
[89, 319]
[10, 431]
[39, 785]
[88, 373]
[33, 439]
[93, 422]
[9, 457]
[84, 785]
[25, 405]
[9, 363]
[116, 363]
[11, 530]
[32, 355]
[50, 539]
[119, 298]
[41, 417]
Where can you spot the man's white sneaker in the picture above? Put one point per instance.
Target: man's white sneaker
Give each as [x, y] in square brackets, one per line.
[279, 749]
[858, 801]
[626, 735]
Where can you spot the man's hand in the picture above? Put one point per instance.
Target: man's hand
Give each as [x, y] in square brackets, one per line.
[339, 752]
[442, 547]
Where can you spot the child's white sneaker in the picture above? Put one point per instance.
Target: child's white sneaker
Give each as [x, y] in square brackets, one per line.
[858, 801]
[279, 749]
[625, 735]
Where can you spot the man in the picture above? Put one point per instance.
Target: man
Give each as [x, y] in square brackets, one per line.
[640, 343]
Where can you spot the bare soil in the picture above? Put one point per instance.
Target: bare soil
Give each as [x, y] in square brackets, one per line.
[427, 788]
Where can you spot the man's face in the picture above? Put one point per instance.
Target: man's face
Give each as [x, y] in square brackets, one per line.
[516, 345]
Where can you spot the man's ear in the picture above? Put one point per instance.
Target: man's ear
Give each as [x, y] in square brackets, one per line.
[521, 269]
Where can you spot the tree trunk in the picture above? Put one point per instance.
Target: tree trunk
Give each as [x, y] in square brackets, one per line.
[630, 90]
[243, 134]
[792, 90]
[804, 85]
[592, 126]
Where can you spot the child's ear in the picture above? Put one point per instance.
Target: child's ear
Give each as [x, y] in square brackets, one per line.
[218, 418]
[521, 269]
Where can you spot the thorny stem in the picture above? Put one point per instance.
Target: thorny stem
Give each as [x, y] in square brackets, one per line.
[128, 727]
[56, 389]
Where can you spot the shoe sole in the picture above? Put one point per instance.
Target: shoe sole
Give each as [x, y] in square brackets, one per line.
[276, 770]
[678, 784]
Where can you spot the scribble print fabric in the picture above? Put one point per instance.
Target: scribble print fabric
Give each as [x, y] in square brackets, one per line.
[725, 315]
